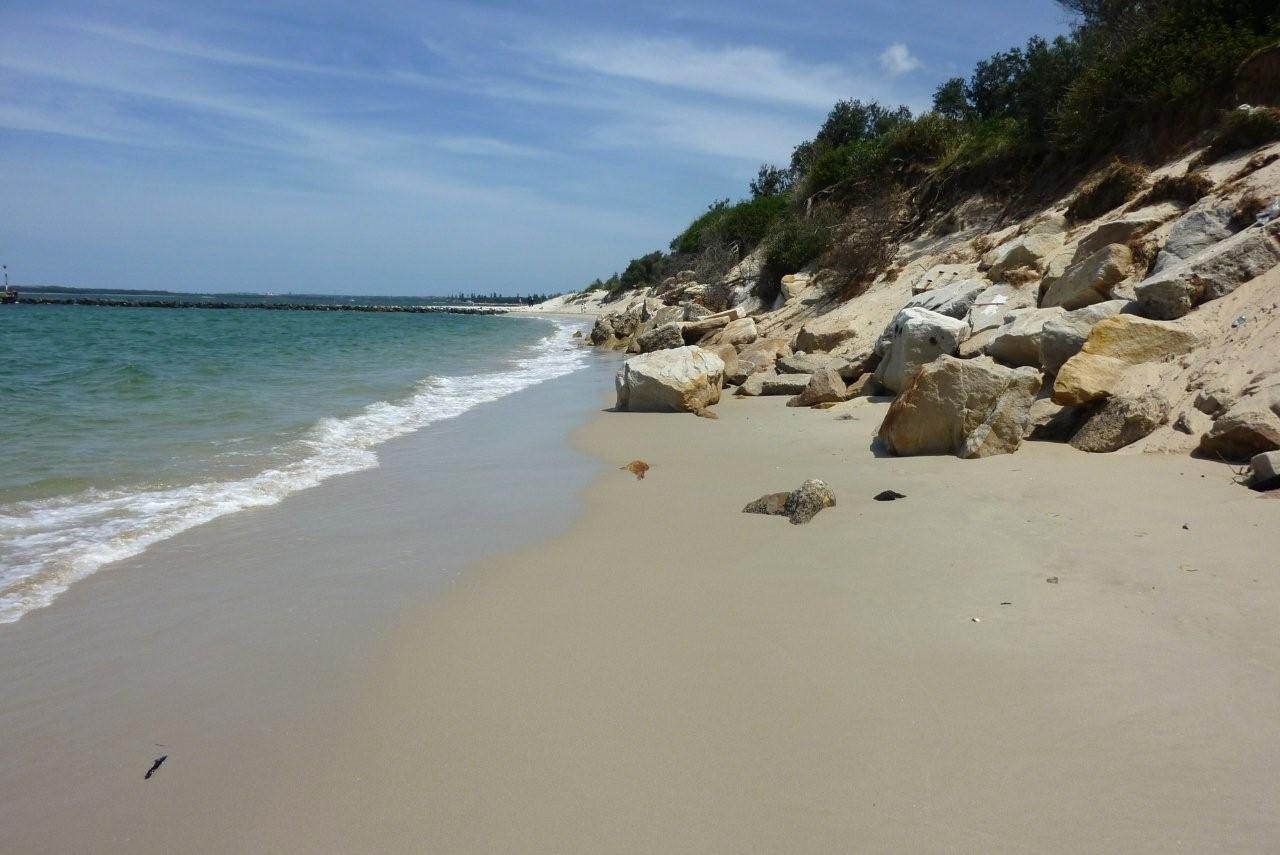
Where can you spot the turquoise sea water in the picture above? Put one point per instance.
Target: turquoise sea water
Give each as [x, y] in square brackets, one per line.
[121, 427]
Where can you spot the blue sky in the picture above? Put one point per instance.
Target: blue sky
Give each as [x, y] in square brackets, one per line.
[418, 148]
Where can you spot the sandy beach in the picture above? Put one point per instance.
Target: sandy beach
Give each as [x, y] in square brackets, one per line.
[584, 429]
[673, 675]
[665, 673]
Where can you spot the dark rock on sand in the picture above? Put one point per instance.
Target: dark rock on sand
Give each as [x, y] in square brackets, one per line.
[800, 506]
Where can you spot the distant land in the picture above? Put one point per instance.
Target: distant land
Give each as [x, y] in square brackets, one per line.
[486, 299]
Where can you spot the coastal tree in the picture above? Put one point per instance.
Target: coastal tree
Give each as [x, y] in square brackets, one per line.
[951, 101]
[770, 181]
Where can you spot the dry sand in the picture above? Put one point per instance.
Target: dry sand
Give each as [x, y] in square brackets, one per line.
[672, 675]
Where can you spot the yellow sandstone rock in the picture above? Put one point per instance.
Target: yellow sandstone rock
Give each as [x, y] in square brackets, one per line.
[1115, 345]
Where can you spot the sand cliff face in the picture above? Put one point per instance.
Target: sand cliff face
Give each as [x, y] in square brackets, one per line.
[1151, 327]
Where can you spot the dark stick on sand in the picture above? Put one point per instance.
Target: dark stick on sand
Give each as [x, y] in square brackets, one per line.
[155, 766]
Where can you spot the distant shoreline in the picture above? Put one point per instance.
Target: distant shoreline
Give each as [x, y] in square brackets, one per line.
[279, 307]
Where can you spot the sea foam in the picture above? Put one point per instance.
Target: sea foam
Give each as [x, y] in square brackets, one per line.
[46, 546]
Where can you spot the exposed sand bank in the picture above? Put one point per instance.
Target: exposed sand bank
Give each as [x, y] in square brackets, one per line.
[674, 676]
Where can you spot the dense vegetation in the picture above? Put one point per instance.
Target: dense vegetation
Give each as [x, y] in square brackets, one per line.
[496, 299]
[1135, 78]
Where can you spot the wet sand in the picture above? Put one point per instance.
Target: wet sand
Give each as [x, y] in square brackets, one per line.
[233, 647]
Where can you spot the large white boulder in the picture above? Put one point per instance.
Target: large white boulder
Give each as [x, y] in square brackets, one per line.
[1194, 232]
[941, 275]
[1030, 250]
[661, 338]
[740, 332]
[967, 407]
[826, 332]
[1120, 230]
[1090, 281]
[916, 337]
[1062, 337]
[679, 380]
[1214, 272]
[1133, 410]
[793, 285]
[992, 307]
[953, 299]
[1249, 427]
[1018, 341]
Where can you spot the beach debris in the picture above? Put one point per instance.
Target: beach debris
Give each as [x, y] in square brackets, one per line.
[800, 506]
[637, 468]
[1052, 580]
[889, 496]
[155, 767]
[976, 619]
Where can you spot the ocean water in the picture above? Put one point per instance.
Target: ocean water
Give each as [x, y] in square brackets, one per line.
[122, 427]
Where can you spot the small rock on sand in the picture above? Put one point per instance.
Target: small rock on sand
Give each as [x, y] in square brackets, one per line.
[637, 468]
[799, 506]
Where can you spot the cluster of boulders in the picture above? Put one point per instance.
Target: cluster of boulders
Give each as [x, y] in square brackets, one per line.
[1056, 331]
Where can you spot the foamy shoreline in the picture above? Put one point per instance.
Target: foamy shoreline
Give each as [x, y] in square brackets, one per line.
[55, 543]
[235, 647]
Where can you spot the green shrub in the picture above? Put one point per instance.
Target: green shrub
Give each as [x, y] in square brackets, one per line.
[985, 150]
[1188, 50]
[1112, 187]
[913, 146]
[744, 224]
[1189, 188]
[691, 239]
[793, 242]
[1242, 129]
[847, 166]
[646, 270]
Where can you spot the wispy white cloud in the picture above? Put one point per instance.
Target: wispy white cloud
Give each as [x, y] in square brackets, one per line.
[897, 59]
[745, 72]
[431, 114]
[182, 46]
[39, 120]
[487, 147]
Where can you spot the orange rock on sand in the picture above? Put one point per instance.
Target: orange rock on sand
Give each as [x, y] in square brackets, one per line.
[636, 468]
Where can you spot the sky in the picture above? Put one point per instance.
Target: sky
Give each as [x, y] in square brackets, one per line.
[429, 147]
